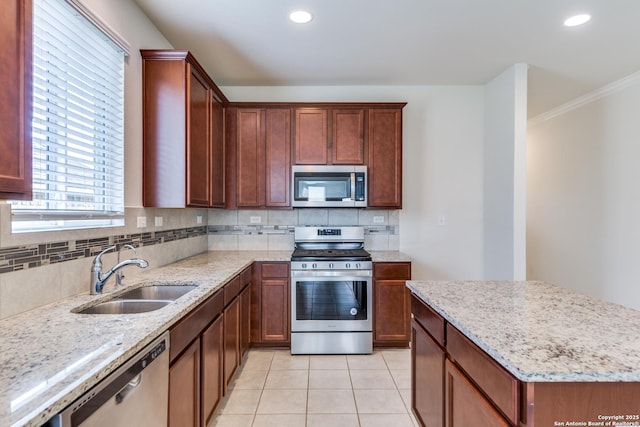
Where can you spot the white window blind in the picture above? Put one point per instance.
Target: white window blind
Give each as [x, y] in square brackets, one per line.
[78, 124]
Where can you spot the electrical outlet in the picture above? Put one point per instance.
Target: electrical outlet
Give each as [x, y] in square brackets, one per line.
[378, 219]
[199, 219]
[442, 221]
[142, 221]
[255, 219]
[158, 221]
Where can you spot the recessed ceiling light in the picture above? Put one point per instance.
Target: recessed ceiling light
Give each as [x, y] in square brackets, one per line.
[576, 20]
[300, 16]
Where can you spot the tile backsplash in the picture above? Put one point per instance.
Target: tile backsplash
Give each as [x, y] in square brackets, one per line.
[40, 268]
[273, 229]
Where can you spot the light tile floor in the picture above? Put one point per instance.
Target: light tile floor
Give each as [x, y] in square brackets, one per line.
[275, 389]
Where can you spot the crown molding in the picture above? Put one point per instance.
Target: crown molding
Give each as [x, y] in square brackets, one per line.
[576, 103]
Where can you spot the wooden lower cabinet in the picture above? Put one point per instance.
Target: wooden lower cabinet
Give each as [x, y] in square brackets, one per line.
[231, 339]
[205, 353]
[275, 313]
[184, 388]
[392, 304]
[465, 405]
[270, 324]
[212, 346]
[245, 321]
[427, 378]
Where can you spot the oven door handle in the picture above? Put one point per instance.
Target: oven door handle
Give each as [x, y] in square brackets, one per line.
[344, 274]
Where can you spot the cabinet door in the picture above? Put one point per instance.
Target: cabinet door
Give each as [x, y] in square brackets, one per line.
[231, 339]
[427, 378]
[15, 99]
[250, 158]
[245, 319]
[465, 405]
[212, 358]
[385, 158]
[392, 303]
[198, 142]
[311, 136]
[275, 310]
[278, 157]
[218, 198]
[348, 137]
[392, 312]
[184, 388]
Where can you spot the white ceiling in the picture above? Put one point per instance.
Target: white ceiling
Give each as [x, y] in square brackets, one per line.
[407, 42]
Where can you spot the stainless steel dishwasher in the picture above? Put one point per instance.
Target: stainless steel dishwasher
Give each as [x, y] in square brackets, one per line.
[136, 394]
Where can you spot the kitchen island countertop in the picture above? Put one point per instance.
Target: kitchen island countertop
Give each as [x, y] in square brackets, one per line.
[541, 332]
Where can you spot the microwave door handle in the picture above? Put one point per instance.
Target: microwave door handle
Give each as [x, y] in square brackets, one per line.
[353, 186]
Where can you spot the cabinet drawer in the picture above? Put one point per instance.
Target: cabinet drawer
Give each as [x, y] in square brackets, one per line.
[497, 384]
[431, 321]
[231, 290]
[392, 270]
[187, 329]
[275, 270]
[245, 277]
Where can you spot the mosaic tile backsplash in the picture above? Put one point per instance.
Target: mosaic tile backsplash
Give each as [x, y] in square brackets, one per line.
[227, 230]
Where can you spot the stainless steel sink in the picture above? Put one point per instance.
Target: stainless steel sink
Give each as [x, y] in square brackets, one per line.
[126, 306]
[157, 292]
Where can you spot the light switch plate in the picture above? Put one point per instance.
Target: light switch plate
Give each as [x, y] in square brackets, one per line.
[199, 219]
[158, 221]
[255, 220]
[141, 221]
[378, 219]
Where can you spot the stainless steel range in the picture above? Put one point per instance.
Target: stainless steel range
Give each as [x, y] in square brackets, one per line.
[331, 292]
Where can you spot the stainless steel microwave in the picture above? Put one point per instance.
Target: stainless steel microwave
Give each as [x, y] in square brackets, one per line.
[329, 186]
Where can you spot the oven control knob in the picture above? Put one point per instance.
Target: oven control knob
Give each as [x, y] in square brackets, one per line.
[330, 265]
[314, 265]
[304, 265]
[347, 266]
[357, 266]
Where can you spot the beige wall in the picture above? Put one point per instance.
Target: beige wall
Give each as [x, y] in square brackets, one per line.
[584, 195]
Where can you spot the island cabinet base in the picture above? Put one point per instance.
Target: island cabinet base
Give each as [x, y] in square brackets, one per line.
[457, 384]
[581, 404]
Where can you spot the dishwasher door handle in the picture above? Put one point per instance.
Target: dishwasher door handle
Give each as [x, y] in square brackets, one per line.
[129, 388]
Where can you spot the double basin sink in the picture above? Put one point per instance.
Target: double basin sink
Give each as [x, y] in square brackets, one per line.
[140, 300]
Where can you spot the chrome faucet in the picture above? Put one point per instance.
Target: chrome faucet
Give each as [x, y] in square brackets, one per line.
[120, 274]
[98, 279]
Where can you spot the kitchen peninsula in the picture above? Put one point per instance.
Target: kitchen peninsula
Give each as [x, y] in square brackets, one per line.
[522, 353]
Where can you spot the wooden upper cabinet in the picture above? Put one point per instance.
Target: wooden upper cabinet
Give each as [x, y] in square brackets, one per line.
[278, 157]
[347, 147]
[180, 107]
[385, 158]
[250, 158]
[15, 99]
[263, 152]
[218, 154]
[199, 137]
[311, 142]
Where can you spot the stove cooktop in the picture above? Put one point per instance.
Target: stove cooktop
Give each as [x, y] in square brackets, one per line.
[330, 255]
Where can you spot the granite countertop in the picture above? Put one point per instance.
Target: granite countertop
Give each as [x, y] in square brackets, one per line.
[541, 332]
[50, 356]
[389, 256]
